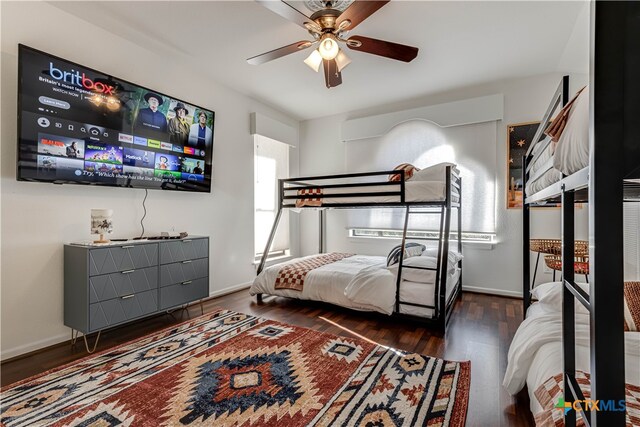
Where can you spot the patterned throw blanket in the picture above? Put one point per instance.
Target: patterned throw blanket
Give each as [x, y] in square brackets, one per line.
[292, 276]
[311, 201]
[632, 306]
[550, 392]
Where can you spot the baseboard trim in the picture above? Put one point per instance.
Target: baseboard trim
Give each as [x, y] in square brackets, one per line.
[492, 291]
[27, 349]
[229, 290]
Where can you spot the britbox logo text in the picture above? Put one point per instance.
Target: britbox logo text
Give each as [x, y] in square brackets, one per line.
[75, 78]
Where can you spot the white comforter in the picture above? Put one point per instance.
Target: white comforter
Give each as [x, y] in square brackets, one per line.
[359, 282]
[535, 354]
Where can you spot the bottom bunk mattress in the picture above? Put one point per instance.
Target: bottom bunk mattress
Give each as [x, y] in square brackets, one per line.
[358, 282]
[535, 357]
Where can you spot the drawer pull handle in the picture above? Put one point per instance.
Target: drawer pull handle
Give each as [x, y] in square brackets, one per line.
[128, 271]
[127, 296]
[128, 246]
[187, 282]
[187, 261]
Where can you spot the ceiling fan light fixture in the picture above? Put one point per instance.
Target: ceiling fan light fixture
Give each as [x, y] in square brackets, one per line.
[328, 47]
[314, 60]
[342, 60]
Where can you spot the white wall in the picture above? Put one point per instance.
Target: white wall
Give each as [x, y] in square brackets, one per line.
[498, 270]
[37, 218]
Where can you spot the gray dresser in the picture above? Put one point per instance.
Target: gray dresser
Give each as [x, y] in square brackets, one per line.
[105, 286]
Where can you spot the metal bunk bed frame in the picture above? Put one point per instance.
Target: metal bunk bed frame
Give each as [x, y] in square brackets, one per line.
[613, 160]
[443, 306]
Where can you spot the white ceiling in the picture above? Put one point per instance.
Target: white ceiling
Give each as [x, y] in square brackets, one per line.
[461, 44]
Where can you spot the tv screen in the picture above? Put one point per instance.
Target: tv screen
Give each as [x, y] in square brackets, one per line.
[77, 125]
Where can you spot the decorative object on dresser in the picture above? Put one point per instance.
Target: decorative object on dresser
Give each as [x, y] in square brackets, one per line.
[227, 368]
[108, 286]
[101, 223]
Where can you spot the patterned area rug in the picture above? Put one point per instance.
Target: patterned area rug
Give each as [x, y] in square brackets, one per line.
[232, 369]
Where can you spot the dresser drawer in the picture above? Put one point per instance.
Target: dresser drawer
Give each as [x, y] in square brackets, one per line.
[115, 285]
[178, 272]
[187, 291]
[121, 258]
[109, 313]
[183, 250]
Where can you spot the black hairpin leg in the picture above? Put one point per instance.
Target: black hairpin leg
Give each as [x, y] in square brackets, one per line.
[535, 271]
[74, 338]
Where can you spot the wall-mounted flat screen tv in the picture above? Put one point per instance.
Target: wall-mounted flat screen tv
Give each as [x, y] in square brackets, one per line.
[80, 126]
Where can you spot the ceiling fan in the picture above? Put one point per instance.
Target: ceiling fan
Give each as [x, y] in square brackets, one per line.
[329, 25]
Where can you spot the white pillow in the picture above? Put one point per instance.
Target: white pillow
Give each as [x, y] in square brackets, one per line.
[549, 295]
[572, 149]
[416, 274]
[454, 256]
[432, 173]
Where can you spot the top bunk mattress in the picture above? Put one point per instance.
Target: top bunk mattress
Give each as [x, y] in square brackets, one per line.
[569, 154]
[426, 185]
[415, 191]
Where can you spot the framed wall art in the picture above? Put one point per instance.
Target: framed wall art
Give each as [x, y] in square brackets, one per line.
[519, 137]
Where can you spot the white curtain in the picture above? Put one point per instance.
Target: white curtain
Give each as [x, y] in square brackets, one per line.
[422, 143]
[632, 241]
[271, 163]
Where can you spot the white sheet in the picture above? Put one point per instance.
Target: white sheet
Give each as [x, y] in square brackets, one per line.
[415, 191]
[543, 158]
[361, 291]
[424, 293]
[359, 282]
[535, 354]
[549, 177]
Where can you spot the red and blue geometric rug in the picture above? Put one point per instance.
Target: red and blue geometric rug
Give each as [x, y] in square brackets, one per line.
[232, 369]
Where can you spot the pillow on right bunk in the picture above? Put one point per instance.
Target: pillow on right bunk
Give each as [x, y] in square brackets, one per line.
[572, 149]
[410, 250]
[408, 169]
[433, 173]
[454, 256]
[549, 295]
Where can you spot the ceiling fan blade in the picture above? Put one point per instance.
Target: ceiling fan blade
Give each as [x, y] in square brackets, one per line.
[332, 77]
[391, 50]
[292, 14]
[358, 12]
[280, 52]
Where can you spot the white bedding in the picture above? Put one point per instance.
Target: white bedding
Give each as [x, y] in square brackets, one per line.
[359, 282]
[571, 152]
[415, 191]
[551, 176]
[535, 354]
[543, 159]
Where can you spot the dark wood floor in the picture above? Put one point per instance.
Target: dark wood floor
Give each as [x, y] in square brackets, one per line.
[480, 330]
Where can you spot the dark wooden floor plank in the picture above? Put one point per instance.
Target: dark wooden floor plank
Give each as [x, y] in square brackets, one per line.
[481, 329]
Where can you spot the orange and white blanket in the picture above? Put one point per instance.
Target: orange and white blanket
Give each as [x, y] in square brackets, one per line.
[292, 276]
[550, 392]
[309, 201]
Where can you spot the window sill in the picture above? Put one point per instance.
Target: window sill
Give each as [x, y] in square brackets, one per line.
[274, 260]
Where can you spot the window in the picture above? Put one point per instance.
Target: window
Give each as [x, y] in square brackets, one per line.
[421, 234]
[271, 162]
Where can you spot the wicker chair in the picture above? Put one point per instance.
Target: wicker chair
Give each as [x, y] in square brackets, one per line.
[554, 247]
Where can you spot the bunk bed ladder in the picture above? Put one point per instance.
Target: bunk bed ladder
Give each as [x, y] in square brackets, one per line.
[442, 270]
